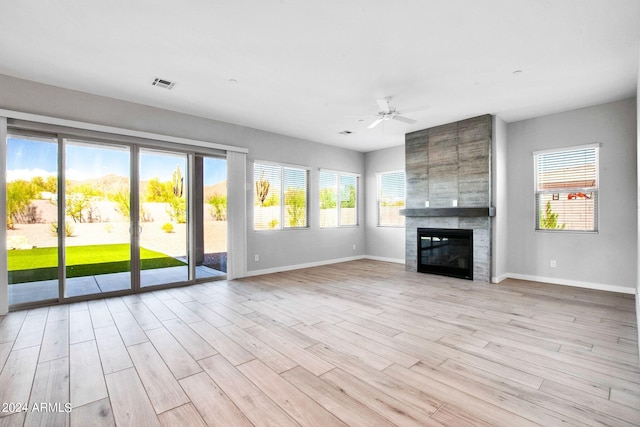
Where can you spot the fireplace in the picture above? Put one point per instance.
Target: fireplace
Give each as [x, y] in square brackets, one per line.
[444, 251]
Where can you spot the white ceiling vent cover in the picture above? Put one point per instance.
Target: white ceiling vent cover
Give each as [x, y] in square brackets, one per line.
[163, 83]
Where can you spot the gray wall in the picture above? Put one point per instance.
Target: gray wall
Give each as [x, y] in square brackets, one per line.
[277, 250]
[385, 243]
[607, 259]
[314, 245]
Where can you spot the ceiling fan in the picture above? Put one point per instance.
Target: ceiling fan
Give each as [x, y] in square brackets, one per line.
[387, 112]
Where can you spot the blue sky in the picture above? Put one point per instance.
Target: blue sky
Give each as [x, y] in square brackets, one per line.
[28, 158]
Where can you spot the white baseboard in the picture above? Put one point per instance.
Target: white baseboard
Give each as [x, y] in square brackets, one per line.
[379, 258]
[300, 266]
[495, 279]
[565, 282]
[498, 279]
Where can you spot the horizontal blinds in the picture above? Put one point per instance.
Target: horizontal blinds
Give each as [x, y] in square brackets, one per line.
[328, 199]
[567, 189]
[295, 197]
[267, 181]
[348, 200]
[338, 199]
[281, 196]
[391, 186]
[570, 169]
[567, 211]
[391, 198]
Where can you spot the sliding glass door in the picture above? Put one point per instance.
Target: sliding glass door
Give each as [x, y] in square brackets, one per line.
[97, 218]
[32, 219]
[210, 197]
[164, 243]
[89, 217]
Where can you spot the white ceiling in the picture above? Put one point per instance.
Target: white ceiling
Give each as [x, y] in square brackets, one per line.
[302, 66]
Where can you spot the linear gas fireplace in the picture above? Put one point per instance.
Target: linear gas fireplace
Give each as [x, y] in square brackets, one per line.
[448, 252]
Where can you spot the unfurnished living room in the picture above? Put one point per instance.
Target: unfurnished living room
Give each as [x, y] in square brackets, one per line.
[359, 213]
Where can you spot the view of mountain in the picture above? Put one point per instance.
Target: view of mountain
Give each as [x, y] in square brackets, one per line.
[111, 183]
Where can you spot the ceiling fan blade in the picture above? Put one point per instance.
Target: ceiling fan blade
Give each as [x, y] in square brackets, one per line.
[375, 123]
[383, 105]
[404, 119]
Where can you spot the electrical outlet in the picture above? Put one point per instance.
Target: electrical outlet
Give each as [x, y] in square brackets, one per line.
[354, 247]
[256, 258]
[552, 263]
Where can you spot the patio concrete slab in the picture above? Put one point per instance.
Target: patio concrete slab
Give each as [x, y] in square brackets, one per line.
[77, 286]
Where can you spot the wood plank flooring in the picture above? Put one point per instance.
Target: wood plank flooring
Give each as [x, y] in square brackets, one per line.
[362, 343]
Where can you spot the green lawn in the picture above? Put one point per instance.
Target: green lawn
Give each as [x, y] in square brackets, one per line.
[28, 265]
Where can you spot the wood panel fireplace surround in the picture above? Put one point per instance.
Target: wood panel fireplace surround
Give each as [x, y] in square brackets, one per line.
[448, 252]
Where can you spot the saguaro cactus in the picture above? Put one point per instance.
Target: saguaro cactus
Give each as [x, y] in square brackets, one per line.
[262, 189]
[178, 182]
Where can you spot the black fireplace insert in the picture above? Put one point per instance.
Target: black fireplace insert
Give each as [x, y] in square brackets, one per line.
[444, 251]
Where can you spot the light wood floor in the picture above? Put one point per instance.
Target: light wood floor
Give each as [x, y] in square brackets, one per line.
[362, 343]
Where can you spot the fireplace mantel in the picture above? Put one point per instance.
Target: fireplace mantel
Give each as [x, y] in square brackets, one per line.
[449, 212]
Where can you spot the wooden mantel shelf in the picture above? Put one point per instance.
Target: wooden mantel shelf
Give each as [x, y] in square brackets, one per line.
[450, 212]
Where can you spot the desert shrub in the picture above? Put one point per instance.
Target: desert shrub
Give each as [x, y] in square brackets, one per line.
[68, 229]
[19, 196]
[79, 203]
[295, 200]
[218, 209]
[178, 210]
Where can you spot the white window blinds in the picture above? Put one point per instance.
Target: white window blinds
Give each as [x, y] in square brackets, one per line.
[338, 199]
[348, 200]
[567, 189]
[391, 198]
[295, 197]
[280, 195]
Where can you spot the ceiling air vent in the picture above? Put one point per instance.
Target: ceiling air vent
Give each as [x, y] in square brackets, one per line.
[163, 83]
[346, 132]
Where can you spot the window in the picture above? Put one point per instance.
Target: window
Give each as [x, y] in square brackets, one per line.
[391, 198]
[281, 194]
[338, 199]
[567, 189]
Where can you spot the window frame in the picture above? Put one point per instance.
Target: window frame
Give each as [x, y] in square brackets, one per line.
[339, 175]
[379, 176]
[282, 211]
[593, 189]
